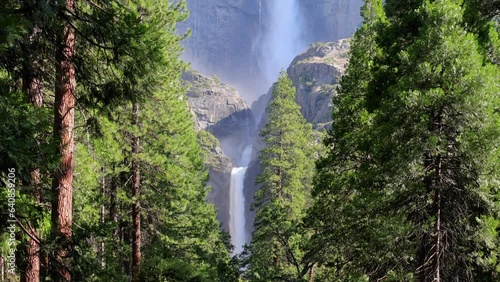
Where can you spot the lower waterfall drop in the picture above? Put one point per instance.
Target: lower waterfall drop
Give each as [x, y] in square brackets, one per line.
[237, 202]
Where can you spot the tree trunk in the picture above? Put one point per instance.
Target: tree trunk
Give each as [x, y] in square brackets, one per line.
[2, 266]
[136, 206]
[112, 213]
[102, 220]
[33, 86]
[311, 273]
[438, 223]
[437, 203]
[431, 248]
[32, 271]
[275, 255]
[113, 206]
[64, 119]
[124, 230]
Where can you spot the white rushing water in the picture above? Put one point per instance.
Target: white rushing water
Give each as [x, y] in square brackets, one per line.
[237, 202]
[279, 44]
[282, 40]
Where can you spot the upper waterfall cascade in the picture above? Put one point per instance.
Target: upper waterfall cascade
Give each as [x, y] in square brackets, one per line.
[282, 39]
[280, 42]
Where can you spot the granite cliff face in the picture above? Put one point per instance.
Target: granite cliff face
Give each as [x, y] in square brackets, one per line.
[224, 36]
[221, 117]
[330, 20]
[316, 74]
[220, 167]
[232, 39]
[228, 36]
[216, 106]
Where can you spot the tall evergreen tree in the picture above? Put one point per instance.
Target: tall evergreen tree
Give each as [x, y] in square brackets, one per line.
[64, 122]
[287, 164]
[22, 58]
[410, 179]
[127, 55]
[178, 229]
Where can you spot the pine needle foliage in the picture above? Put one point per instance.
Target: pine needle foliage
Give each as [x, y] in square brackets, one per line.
[408, 188]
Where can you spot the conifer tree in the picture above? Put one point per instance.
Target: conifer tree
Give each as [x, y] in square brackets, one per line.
[407, 187]
[341, 212]
[287, 166]
[180, 237]
[127, 54]
[23, 72]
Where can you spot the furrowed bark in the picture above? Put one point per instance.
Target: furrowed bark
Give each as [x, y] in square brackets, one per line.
[32, 271]
[64, 119]
[2, 266]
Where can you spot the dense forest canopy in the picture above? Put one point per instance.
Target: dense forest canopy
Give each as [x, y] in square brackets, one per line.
[105, 179]
[110, 180]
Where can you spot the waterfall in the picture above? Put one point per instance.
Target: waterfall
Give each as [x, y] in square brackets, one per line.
[278, 42]
[282, 40]
[237, 202]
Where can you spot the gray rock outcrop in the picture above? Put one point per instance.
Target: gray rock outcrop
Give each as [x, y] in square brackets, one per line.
[316, 74]
[214, 103]
[224, 36]
[221, 117]
[228, 35]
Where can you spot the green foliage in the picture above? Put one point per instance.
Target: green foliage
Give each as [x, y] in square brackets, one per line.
[412, 161]
[212, 151]
[287, 168]
[128, 52]
[181, 237]
[26, 141]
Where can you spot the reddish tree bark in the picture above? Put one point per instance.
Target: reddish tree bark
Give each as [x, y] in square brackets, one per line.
[2, 267]
[32, 271]
[136, 206]
[64, 119]
[33, 86]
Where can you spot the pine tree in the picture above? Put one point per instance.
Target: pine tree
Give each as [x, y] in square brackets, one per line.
[342, 210]
[287, 166]
[64, 122]
[178, 228]
[407, 188]
[127, 55]
[21, 58]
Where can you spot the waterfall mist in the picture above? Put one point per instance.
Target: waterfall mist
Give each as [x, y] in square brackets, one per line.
[282, 39]
[278, 42]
